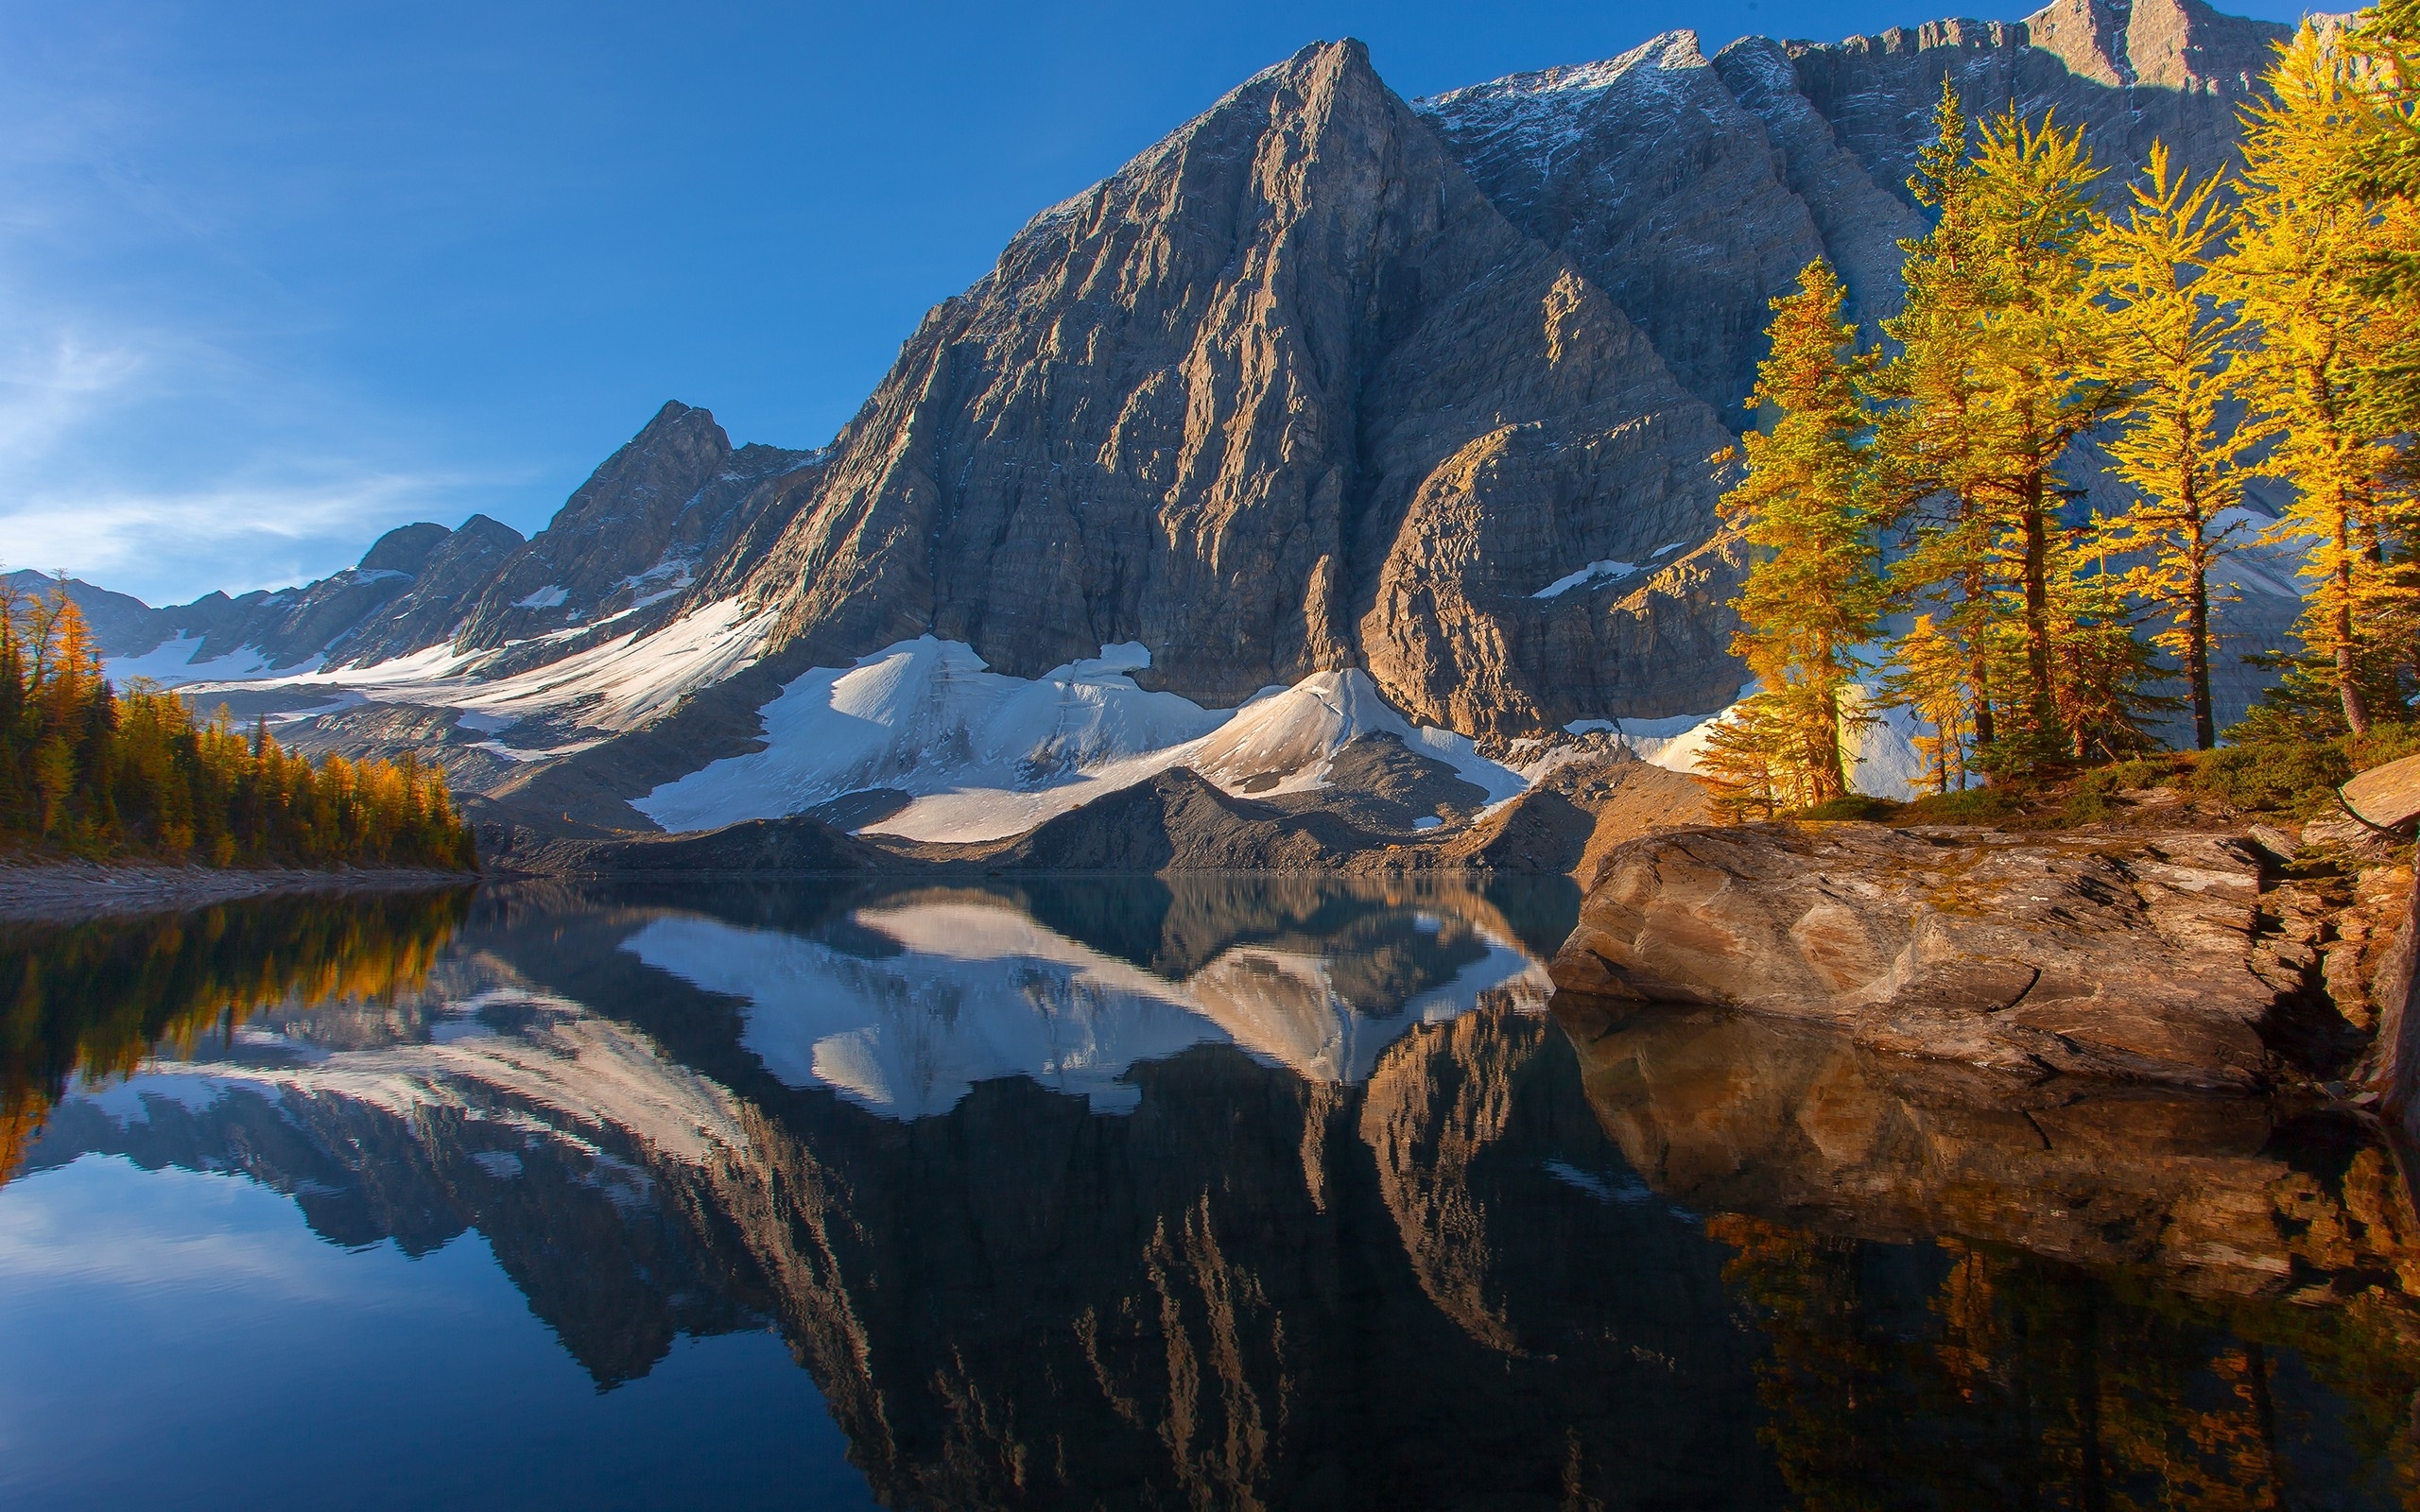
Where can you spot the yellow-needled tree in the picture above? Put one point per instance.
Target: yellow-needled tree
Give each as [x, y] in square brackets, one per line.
[2169, 344]
[1924, 454]
[1814, 591]
[2319, 338]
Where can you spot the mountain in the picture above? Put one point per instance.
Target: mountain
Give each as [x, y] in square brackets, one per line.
[1326, 385]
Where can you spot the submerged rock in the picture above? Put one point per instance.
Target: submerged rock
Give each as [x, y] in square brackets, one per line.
[2155, 958]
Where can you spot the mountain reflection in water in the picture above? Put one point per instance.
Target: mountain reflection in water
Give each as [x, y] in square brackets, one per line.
[1226, 1192]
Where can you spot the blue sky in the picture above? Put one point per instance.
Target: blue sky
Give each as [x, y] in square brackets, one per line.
[276, 277]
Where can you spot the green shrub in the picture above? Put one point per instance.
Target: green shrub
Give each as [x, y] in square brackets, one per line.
[1850, 806]
[2297, 776]
[1976, 805]
[2388, 741]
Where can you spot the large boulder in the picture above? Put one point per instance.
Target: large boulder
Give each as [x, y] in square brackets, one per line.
[2137, 957]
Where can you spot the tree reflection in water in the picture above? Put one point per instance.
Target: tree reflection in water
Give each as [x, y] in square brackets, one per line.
[95, 1000]
[1688, 1263]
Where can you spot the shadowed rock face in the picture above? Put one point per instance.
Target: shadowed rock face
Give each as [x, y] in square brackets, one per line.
[2132, 958]
[635, 535]
[1691, 190]
[448, 580]
[1285, 394]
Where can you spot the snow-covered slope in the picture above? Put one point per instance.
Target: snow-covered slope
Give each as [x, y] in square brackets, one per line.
[985, 755]
[615, 686]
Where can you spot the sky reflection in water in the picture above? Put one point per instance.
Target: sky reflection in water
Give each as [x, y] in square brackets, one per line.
[1227, 1191]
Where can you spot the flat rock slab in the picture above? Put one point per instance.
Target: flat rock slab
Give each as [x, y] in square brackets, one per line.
[2128, 957]
[2389, 796]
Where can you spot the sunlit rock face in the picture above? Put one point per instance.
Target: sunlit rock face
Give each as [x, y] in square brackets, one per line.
[2151, 959]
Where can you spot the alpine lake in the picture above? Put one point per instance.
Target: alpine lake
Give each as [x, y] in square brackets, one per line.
[1263, 1192]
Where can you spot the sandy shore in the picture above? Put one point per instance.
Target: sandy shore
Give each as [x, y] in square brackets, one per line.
[69, 892]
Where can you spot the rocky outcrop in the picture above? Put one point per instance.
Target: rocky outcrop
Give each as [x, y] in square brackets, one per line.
[1576, 814]
[797, 843]
[2152, 958]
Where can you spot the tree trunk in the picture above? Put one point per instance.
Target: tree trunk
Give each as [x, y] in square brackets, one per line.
[2037, 608]
[2357, 708]
[2197, 647]
[1979, 666]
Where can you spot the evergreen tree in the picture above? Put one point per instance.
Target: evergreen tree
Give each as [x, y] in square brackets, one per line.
[1924, 457]
[2297, 270]
[2168, 341]
[1930, 673]
[2040, 356]
[1814, 591]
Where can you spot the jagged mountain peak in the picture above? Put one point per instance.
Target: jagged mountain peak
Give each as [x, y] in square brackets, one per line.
[1219, 404]
[404, 549]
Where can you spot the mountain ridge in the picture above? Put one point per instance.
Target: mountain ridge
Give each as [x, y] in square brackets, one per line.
[1323, 380]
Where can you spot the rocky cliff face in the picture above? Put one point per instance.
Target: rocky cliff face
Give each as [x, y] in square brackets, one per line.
[1285, 394]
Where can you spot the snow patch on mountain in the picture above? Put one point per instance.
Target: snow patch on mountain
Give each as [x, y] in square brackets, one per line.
[1596, 572]
[984, 755]
[171, 664]
[1541, 115]
[613, 686]
[1882, 757]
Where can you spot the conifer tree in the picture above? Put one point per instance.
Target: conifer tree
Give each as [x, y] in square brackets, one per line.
[91, 770]
[2296, 269]
[2168, 342]
[2039, 364]
[1814, 591]
[1929, 673]
[1924, 454]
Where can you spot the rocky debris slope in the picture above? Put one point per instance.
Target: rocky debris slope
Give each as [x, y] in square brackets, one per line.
[798, 844]
[2155, 958]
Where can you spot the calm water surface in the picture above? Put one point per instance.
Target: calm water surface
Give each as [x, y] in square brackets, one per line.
[1252, 1192]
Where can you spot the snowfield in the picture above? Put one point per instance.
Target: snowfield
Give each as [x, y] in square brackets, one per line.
[984, 756]
[171, 664]
[616, 686]
[979, 755]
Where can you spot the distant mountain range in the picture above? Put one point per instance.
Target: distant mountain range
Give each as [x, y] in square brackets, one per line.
[1409, 405]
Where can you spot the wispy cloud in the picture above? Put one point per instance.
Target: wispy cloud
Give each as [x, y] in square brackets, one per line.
[51, 385]
[235, 535]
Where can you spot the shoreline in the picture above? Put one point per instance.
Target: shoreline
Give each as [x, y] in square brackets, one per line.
[74, 892]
